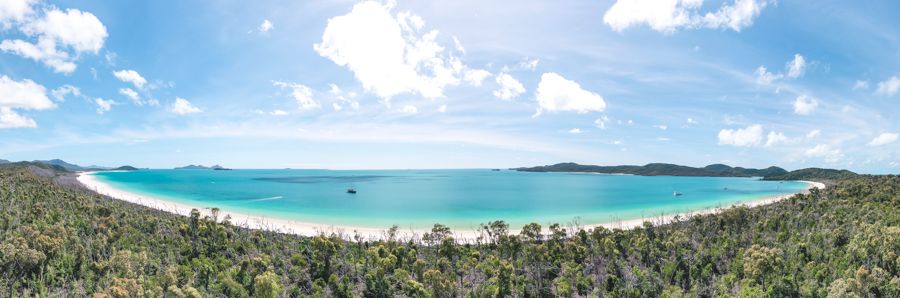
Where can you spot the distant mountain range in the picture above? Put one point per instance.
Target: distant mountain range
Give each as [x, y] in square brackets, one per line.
[660, 169]
[201, 167]
[61, 165]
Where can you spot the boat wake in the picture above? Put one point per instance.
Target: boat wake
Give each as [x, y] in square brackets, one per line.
[268, 199]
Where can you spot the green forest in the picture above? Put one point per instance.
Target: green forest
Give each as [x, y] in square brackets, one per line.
[58, 239]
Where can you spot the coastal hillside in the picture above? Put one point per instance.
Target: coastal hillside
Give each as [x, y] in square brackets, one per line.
[813, 174]
[659, 169]
[58, 239]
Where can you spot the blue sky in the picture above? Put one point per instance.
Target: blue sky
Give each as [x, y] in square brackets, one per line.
[451, 84]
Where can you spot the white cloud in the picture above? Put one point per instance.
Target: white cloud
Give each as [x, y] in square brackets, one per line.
[475, 77]
[826, 152]
[670, 15]
[24, 94]
[65, 90]
[57, 33]
[509, 87]
[813, 134]
[529, 64]
[301, 93]
[804, 105]
[130, 76]
[11, 119]
[662, 127]
[575, 131]
[692, 121]
[442, 109]
[797, 67]
[182, 106]
[601, 122]
[775, 138]
[12, 11]
[763, 76]
[888, 87]
[743, 137]
[458, 45]
[389, 54]
[663, 139]
[44, 51]
[408, 109]
[265, 26]
[343, 98]
[556, 93]
[278, 113]
[884, 139]
[104, 105]
[861, 85]
[81, 31]
[132, 95]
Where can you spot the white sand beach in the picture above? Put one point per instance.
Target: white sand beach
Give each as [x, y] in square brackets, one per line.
[91, 182]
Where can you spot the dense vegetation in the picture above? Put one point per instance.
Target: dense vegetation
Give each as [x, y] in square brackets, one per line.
[660, 169]
[60, 240]
[814, 173]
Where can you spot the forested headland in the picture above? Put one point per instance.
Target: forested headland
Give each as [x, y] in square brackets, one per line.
[58, 239]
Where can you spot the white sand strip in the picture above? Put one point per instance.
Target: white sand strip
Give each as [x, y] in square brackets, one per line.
[310, 229]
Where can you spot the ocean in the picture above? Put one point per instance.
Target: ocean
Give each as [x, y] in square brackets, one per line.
[461, 199]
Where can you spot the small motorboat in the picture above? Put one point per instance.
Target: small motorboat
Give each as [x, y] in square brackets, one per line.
[351, 190]
[677, 194]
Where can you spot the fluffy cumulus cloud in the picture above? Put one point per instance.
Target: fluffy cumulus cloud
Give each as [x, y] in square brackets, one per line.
[104, 105]
[797, 67]
[21, 95]
[13, 11]
[509, 87]
[775, 138]
[763, 76]
[601, 122]
[671, 15]
[57, 38]
[825, 152]
[556, 93]
[861, 85]
[391, 54]
[265, 26]
[888, 87]
[182, 106]
[884, 139]
[301, 93]
[804, 105]
[575, 131]
[130, 76]
[742, 137]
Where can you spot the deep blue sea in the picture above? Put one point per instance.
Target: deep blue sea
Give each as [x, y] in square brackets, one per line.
[457, 198]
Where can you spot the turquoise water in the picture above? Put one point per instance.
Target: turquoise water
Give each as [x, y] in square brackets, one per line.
[457, 198]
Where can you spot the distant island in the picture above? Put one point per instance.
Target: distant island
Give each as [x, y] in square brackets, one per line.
[201, 167]
[659, 169]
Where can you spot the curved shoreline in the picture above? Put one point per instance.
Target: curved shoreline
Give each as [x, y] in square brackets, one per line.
[91, 182]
